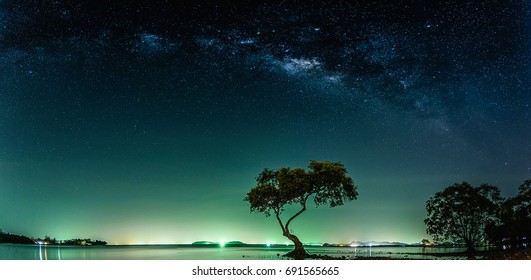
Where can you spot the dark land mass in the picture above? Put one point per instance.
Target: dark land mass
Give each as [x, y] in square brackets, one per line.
[217, 244]
[21, 239]
[15, 239]
[515, 254]
[82, 242]
[495, 254]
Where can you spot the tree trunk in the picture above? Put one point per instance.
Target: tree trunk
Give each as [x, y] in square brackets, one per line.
[470, 249]
[298, 253]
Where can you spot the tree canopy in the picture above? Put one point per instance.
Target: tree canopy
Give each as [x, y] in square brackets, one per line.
[514, 225]
[326, 183]
[460, 213]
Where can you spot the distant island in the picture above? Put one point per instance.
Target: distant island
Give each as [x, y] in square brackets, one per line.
[73, 242]
[219, 244]
[21, 239]
[314, 244]
[15, 239]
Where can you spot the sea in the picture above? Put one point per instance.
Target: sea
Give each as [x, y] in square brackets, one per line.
[191, 252]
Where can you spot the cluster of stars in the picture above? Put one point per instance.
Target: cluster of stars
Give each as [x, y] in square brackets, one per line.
[390, 88]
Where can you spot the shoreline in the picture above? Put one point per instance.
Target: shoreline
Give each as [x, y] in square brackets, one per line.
[253, 253]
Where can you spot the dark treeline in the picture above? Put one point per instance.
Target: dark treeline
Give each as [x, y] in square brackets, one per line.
[513, 223]
[464, 214]
[13, 238]
[74, 242]
[20, 239]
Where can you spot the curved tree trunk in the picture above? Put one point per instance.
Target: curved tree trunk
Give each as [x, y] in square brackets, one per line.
[299, 253]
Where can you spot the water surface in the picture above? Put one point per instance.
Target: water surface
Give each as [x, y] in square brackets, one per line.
[188, 252]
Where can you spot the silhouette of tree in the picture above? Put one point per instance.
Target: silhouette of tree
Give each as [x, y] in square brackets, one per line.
[514, 226]
[523, 210]
[326, 182]
[461, 212]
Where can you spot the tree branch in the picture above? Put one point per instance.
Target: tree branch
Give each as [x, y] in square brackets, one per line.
[303, 203]
[295, 216]
[277, 215]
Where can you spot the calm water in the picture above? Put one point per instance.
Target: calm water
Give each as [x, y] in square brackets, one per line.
[186, 252]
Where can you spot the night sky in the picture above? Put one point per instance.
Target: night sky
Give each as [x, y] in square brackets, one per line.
[148, 123]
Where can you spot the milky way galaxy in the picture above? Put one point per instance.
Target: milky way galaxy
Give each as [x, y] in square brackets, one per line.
[148, 122]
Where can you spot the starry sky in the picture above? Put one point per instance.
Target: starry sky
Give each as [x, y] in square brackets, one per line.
[148, 122]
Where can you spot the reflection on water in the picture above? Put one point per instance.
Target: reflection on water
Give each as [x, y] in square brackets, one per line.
[187, 252]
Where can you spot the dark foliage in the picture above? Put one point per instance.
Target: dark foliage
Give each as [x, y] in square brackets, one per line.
[514, 224]
[15, 239]
[461, 212]
[83, 242]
